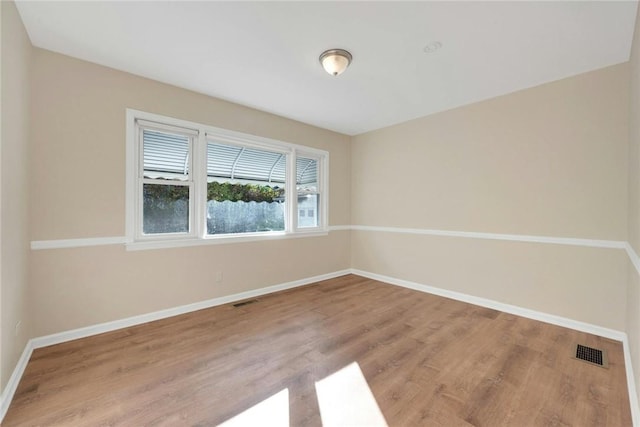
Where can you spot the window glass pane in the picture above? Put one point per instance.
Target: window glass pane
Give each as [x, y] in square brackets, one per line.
[308, 208]
[306, 175]
[166, 155]
[245, 189]
[165, 209]
[307, 189]
[231, 162]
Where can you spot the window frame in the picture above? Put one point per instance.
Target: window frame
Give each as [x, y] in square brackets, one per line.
[223, 138]
[192, 135]
[200, 135]
[322, 207]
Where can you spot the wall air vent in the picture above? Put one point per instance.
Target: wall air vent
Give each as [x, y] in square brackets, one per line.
[247, 302]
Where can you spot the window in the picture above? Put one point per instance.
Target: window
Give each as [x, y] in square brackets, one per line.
[191, 184]
[307, 189]
[165, 179]
[245, 189]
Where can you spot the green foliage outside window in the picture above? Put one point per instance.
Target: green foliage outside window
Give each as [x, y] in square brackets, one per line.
[217, 191]
[221, 192]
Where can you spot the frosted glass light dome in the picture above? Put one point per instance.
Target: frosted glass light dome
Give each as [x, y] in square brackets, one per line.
[335, 61]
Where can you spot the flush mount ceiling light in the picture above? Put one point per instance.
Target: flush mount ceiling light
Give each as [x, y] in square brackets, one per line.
[335, 61]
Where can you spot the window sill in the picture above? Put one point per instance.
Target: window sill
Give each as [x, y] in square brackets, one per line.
[218, 240]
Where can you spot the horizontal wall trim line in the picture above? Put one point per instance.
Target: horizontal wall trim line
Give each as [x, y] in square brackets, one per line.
[121, 240]
[77, 243]
[593, 243]
[633, 256]
[611, 244]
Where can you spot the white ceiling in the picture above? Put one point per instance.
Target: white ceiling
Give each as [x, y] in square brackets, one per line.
[265, 54]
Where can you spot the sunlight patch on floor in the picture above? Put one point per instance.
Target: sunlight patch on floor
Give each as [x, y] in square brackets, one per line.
[273, 411]
[345, 399]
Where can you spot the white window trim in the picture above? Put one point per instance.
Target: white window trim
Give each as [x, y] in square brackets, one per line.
[198, 234]
[191, 183]
[323, 209]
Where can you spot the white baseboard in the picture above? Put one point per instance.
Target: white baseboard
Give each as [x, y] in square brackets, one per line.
[12, 384]
[39, 342]
[174, 311]
[9, 390]
[631, 383]
[496, 305]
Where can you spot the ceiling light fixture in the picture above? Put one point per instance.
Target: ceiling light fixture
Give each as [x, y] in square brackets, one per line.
[335, 61]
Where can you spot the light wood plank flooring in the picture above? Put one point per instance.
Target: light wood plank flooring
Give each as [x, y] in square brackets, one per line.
[427, 360]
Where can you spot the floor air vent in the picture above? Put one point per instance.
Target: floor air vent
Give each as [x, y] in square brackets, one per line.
[240, 304]
[592, 355]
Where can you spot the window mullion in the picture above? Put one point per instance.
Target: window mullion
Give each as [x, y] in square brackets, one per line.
[291, 193]
[200, 184]
[323, 189]
[139, 206]
[139, 183]
[193, 169]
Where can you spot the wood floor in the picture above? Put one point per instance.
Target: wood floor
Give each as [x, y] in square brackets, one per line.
[427, 360]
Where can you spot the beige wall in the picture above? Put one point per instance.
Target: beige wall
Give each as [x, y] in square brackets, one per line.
[634, 140]
[78, 181]
[546, 161]
[633, 290]
[549, 161]
[85, 286]
[14, 177]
